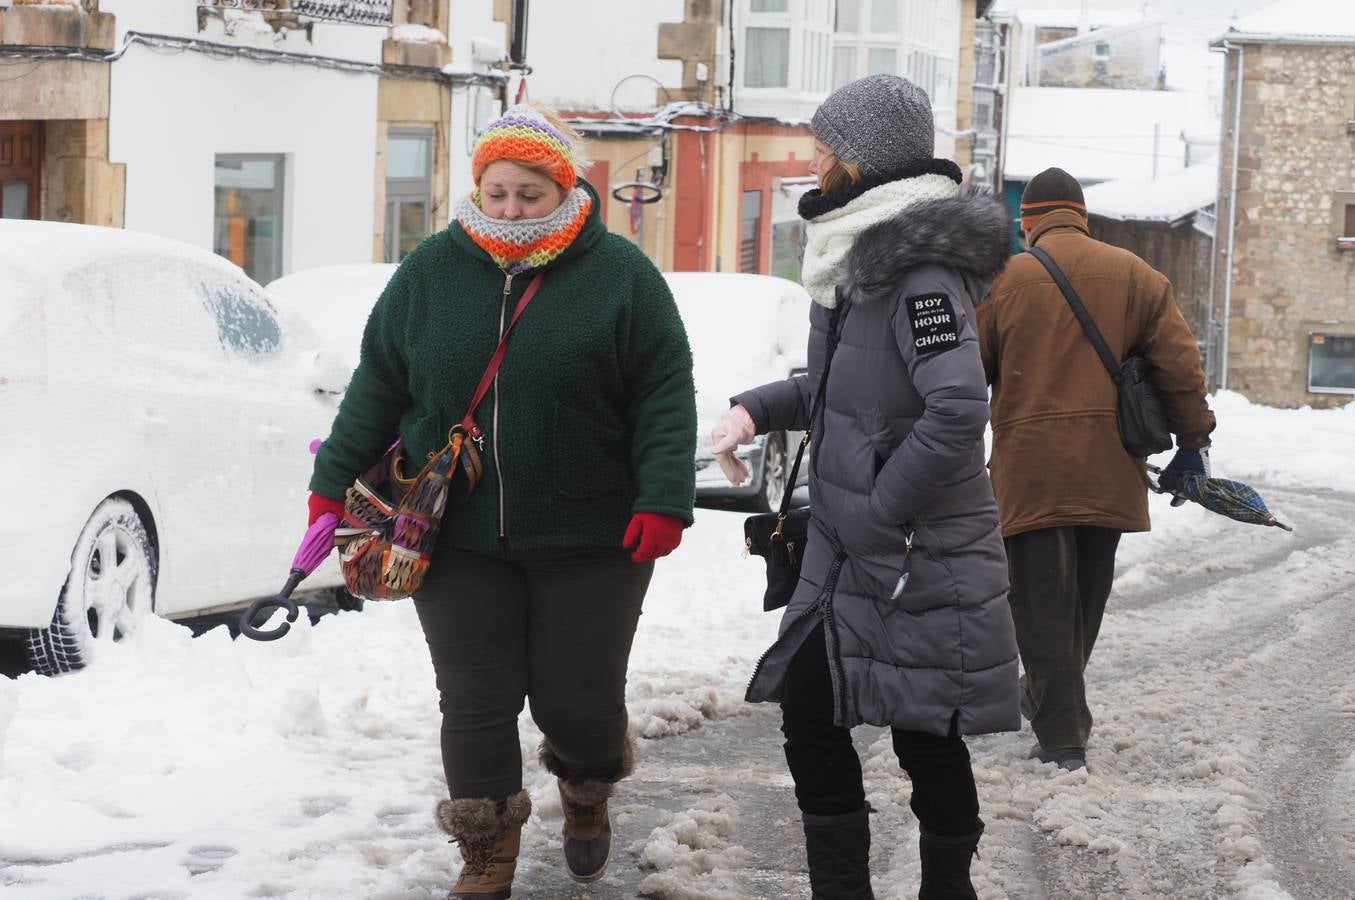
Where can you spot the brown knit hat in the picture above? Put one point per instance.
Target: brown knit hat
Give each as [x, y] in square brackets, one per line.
[1050, 190]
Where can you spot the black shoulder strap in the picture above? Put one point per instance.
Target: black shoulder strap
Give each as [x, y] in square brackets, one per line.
[830, 345]
[1093, 334]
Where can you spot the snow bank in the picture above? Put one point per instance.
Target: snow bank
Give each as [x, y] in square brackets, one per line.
[1302, 447]
[691, 855]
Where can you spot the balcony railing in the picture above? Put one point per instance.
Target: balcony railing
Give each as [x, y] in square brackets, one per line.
[356, 12]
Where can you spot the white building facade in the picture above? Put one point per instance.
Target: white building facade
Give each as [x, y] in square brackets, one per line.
[281, 136]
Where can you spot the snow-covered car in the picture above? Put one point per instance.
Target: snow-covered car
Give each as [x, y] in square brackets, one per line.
[157, 412]
[745, 330]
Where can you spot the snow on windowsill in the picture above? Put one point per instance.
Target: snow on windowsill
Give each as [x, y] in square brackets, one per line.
[62, 5]
[240, 22]
[418, 34]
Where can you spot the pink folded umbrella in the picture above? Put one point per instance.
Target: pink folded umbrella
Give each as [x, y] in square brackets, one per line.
[315, 546]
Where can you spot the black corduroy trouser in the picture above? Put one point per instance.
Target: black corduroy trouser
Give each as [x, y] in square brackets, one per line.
[553, 627]
[1060, 582]
[827, 771]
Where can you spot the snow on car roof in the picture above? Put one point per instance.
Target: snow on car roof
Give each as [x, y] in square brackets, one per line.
[1166, 199]
[57, 247]
[38, 258]
[335, 301]
[745, 330]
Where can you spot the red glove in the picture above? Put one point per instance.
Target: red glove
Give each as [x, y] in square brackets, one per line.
[319, 505]
[657, 534]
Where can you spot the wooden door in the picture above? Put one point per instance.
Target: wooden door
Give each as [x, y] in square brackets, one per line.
[20, 169]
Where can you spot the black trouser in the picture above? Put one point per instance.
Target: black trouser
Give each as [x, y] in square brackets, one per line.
[827, 771]
[1060, 581]
[552, 626]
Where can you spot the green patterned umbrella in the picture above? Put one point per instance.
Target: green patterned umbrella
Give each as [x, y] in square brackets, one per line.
[1227, 498]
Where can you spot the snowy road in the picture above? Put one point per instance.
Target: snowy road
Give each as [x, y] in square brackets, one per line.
[1222, 764]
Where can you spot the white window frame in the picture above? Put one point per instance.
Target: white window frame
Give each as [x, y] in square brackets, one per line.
[926, 46]
[278, 239]
[411, 190]
[809, 24]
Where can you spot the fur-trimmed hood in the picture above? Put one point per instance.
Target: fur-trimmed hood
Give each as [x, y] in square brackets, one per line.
[971, 233]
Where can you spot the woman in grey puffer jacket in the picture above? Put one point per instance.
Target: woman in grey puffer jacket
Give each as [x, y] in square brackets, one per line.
[896, 259]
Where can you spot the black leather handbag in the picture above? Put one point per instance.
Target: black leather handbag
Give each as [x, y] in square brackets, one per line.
[1142, 418]
[780, 537]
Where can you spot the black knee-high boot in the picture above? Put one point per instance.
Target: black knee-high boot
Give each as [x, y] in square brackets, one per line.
[838, 848]
[945, 865]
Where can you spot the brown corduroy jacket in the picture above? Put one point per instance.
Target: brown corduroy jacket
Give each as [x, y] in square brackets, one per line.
[1057, 457]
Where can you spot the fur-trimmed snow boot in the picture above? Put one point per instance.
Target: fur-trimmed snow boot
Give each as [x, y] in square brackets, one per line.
[588, 825]
[945, 865]
[838, 849]
[489, 834]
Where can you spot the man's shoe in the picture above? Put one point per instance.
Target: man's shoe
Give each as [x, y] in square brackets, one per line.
[1068, 758]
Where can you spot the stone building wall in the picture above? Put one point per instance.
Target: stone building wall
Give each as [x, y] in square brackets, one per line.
[67, 99]
[1296, 158]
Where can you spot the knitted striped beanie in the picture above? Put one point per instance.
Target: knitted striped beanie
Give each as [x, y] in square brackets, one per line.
[1050, 190]
[524, 135]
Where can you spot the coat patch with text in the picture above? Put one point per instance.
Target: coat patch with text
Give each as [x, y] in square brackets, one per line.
[935, 326]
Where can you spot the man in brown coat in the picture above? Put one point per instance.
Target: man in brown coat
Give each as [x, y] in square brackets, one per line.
[1066, 487]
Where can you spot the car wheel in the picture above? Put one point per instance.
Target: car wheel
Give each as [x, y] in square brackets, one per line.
[110, 588]
[772, 481]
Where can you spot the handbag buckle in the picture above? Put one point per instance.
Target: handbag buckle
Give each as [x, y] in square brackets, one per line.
[780, 524]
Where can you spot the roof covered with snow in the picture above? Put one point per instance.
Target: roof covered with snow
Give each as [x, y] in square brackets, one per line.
[1100, 134]
[1166, 199]
[1067, 17]
[1298, 21]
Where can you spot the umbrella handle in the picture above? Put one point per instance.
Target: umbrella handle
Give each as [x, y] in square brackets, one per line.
[1153, 485]
[282, 601]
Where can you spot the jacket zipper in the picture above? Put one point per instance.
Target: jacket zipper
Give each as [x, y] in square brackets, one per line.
[822, 602]
[498, 466]
[835, 651]
[812, 610]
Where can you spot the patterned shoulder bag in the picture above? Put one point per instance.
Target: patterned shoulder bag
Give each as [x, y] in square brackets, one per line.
[391, 521]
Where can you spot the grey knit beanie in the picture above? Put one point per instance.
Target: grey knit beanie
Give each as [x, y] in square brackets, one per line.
[882, 123]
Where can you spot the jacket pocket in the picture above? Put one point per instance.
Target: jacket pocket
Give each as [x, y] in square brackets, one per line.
[590, 456]
[876, 430]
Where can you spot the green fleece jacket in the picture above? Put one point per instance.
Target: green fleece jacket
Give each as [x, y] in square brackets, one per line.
[593, 418]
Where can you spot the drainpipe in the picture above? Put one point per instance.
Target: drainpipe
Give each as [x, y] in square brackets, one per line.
[1232, 216]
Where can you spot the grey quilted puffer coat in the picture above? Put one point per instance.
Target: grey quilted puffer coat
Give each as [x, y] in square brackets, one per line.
[900, 452]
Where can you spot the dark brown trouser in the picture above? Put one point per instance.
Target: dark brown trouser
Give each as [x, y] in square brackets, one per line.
[552, 626]
[1060, 581]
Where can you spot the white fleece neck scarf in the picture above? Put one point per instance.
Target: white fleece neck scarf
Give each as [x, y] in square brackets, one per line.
[831, 235]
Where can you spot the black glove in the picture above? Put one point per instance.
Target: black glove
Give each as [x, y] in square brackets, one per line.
[1184, 461]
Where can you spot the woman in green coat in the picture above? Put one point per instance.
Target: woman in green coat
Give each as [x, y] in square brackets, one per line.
[590, 432]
